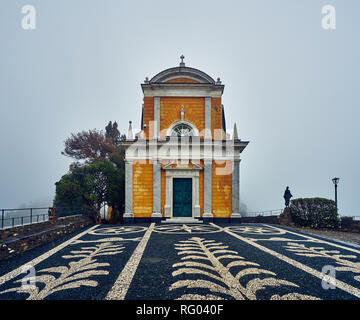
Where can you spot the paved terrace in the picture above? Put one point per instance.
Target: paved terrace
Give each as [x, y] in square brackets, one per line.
[185, 261]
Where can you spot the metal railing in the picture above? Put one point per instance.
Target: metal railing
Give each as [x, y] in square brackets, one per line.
[355, 218]
[19, 217]
[10, 218]
[277, 212]
[267, 213]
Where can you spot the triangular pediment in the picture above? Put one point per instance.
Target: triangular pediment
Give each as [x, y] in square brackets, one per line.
[182, 165]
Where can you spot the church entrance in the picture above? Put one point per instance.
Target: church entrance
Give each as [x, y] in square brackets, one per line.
[182, 197]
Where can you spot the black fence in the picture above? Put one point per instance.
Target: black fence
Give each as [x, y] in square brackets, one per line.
[10, 218]
[277, 212]
[355, 218]
[268, 213]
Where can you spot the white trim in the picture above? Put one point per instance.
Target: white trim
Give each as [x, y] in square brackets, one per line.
[157, 117]
[182, 91]
[208, 133]
[207, 186]
[129, 173]
[156, 188]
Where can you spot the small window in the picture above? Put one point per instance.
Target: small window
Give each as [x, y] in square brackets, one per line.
[182, 130]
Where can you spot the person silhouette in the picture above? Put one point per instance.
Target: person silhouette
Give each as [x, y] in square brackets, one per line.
[287, 196]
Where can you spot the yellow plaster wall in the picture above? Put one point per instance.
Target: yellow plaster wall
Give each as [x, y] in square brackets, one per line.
[194, 112]
[216, 117]
[221, 189]
[182, 80]
[148, 114]
[170, 108]
[142, 189]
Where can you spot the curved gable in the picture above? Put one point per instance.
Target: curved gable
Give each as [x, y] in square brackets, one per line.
[169, 75]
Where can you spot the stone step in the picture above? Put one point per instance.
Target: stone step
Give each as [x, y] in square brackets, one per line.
[181, 220]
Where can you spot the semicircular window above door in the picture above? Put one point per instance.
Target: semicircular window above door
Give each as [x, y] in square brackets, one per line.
[182, 130]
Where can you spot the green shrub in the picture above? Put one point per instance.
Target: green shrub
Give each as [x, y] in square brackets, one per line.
[314, 213]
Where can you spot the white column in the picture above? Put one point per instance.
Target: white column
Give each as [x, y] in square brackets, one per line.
[207, 188]
[197, 196]
[156, 189]
[168, 194]
[156, 117]
[235, 188]
[208, 117]
[208, 154]
[128, 189]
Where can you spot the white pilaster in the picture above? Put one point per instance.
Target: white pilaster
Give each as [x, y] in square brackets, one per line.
[168, 194]
[235, 188]
[156, 189]
[197, 197]
[207, 188]
[208, 117]
[128, 189]
[156, 117]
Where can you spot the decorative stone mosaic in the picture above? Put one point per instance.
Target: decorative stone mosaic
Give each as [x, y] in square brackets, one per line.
[76, 274]
[195, 251]
[117, 230]
[255, 230]
[188, 261]
[186, 229]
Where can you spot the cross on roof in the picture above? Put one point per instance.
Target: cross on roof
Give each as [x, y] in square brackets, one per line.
[182, 63]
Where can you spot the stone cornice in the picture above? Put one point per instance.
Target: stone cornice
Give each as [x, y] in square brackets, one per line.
[182, 90]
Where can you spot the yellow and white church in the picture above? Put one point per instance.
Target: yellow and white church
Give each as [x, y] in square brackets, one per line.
[182, 164]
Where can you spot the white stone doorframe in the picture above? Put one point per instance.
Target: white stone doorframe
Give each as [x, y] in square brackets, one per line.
[192, 173]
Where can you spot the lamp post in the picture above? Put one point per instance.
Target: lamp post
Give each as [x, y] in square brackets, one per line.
[335, 182]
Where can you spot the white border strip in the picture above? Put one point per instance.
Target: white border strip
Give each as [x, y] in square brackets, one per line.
[122, 283]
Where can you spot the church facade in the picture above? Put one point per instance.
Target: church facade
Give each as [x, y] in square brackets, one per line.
[182, 164]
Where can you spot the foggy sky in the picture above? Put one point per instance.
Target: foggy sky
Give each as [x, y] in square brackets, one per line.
[291, 87]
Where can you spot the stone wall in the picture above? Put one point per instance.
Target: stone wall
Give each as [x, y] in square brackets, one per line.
[20, 239]
[354, 227]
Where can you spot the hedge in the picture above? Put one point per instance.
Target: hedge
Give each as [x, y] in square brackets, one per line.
[314, 213]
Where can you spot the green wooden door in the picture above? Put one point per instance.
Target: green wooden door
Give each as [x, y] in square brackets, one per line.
[182, 197]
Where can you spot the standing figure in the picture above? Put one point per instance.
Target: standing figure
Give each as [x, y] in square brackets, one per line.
[287, 196]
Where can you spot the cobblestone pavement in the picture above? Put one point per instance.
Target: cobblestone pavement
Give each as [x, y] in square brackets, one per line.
[185, 261]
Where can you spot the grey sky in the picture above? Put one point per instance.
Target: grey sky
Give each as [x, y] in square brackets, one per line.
[292, 87]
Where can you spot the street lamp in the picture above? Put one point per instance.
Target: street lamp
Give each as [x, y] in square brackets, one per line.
[335, 182]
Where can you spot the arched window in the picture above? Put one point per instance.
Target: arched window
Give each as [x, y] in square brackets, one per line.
[182, 130]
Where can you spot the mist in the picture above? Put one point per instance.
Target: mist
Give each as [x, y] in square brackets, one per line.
[291, 87]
